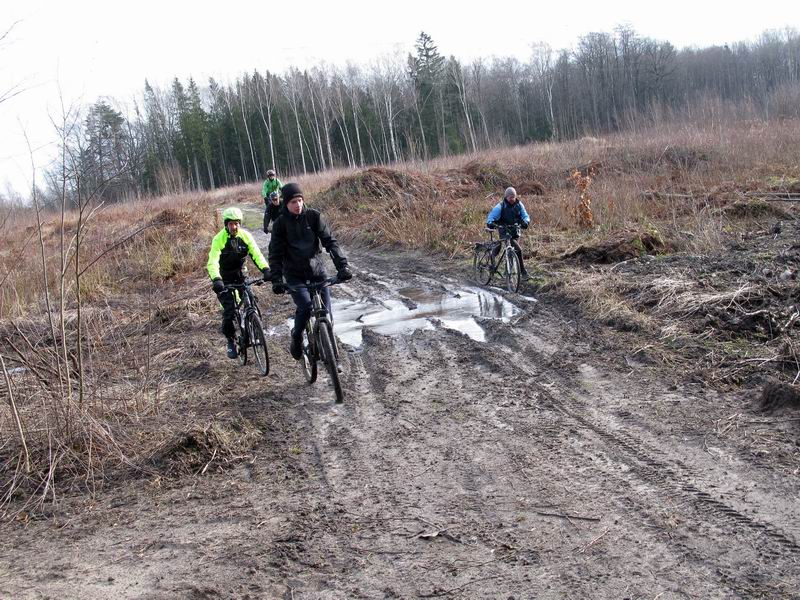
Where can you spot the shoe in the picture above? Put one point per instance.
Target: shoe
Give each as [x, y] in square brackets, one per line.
[525, 276]
[296, 348]
[232, 349]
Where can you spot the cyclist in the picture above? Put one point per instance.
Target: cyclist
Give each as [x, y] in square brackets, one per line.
[229, 249]
[272, 210]
[271, 184]
[509, 212]
[294, 253]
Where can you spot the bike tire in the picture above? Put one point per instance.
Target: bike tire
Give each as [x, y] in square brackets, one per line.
[258, 342]
[309, 361]
[329, 357]
[512, 274]
[241, 342]
[482, 265]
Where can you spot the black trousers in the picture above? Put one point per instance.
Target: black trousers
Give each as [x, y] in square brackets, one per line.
[302, 300]
[228, 301]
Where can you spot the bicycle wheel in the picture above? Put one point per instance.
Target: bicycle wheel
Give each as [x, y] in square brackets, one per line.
[309, 356]
[329, 356]
[512, 273]
[482, 264]
[241, 342]
[258, 343]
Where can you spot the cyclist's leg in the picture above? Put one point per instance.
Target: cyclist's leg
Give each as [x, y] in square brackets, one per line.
[326, 299]
[302, 302]
[228, 316]
[518, 250]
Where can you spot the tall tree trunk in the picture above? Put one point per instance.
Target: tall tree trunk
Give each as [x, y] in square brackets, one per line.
[247, 131]
[358, 134]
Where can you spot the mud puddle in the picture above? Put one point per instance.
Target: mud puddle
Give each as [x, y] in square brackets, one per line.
[417, 308]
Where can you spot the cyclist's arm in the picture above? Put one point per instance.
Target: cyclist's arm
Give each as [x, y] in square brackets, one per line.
[253, 250]
[330, 243]
[217, 244]
[265, 189]
[524, 214]
[494, 216]
[277, 249]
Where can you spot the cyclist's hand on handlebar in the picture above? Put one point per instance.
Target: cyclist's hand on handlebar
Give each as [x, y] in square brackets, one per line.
[278, 287]
[267, 274]
[217, 286]
[344, 274]
[491, 225]
[524, 225]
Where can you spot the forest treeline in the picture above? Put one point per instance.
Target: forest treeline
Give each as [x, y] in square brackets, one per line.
[421, 106]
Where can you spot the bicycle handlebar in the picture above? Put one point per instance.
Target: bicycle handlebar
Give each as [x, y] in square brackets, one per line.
[314, 285]
[504, 229]
[247, 283]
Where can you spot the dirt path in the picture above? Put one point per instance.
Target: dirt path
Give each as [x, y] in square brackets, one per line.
[544, 462]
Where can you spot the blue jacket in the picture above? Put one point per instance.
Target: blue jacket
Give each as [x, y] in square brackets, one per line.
[506, 214]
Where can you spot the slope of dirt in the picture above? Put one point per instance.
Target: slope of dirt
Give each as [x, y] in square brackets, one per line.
[554, 460]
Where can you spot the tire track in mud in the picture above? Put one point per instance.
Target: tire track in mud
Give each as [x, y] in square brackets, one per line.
[663, 472]
[435, 406]
[651, 465]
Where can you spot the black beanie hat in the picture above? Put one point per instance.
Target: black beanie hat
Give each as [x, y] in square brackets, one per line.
[289, 191]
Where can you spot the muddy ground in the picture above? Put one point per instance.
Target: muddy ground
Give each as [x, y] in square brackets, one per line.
[559, 458]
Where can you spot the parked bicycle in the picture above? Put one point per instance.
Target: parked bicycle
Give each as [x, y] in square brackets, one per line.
[319, 343]
[249, 327]
[498, 257]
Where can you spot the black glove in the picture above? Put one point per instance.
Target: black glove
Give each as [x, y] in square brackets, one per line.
[491, 225]
[344, 274]
[217, 285]
[267, 274]
[278, 287]
[524, 225]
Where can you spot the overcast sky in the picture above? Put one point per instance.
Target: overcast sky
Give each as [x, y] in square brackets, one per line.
[95, 49]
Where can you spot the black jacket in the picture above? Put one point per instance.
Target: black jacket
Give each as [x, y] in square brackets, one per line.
[271, 213]
[294, 250]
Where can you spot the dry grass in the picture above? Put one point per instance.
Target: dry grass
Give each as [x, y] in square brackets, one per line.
[114, 395]
[676, 178]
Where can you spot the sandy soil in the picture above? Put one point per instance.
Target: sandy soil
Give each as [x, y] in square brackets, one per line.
[551, 461]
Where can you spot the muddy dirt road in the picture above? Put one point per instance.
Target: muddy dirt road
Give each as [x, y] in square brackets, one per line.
[529, 455]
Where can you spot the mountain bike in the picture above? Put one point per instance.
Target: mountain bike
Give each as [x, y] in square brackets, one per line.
[249, 328]
[319, 343]
[498, 257]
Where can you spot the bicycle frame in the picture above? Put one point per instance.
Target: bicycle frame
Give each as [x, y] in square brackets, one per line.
[498, 257]
[321, 342]
[246, 301]
[319, 313]
[503, 242]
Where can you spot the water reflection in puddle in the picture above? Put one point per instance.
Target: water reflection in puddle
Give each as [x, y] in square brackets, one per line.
[418, 308]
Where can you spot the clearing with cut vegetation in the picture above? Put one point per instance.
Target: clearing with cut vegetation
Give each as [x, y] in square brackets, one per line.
[626, 425]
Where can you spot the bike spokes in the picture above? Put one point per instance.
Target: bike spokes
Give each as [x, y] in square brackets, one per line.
[309, 357]
[328, 352]
[258, 343]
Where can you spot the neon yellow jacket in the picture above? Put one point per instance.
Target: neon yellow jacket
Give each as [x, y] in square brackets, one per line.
[227, 255]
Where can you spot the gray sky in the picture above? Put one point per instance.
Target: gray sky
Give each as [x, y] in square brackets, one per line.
[90, 48]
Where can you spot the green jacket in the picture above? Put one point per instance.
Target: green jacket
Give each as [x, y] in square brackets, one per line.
[227, 255]
[270, 186]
